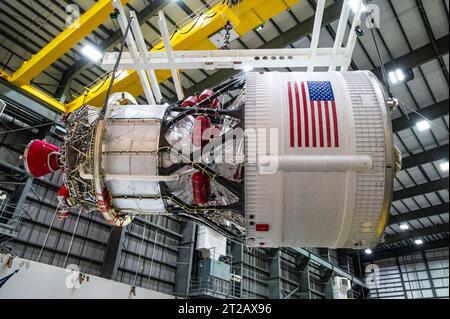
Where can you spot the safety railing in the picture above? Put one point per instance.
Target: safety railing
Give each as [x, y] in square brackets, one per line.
[10, 221]
[213, 287]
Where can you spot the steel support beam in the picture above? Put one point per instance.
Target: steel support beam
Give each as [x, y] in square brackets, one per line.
[185, 260]
[237, 252]
[14, 169]
[111, 261]
[431, 155]
[80, 28]
[421, 189]
[18, 198]
[419, 213]
[108, 44]
[14, 96]
[430, 112]
[417, 57]
[441, 228]
[296, 33]
[337, 270]
[430, 277]
[331, 13]
[250, 15]
[402, 251]
[274, 281]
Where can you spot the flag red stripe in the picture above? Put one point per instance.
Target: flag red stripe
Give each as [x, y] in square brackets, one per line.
[319, 110]
[299, 121]
[291, 115]
[335, 124]
[313, 121]
[327, 122]
[305, 115]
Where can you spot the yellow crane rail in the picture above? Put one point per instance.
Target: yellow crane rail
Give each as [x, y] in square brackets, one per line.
[245, 17]
[66, 40]
[248, 15]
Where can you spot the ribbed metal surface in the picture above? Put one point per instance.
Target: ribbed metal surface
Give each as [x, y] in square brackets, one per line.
[255, 118]
[370, 140]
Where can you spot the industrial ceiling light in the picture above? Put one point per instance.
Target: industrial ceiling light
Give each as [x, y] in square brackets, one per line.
[423, 125]
[393, 77]
[418, 241]
[404, 226]
[368, 251]
[399, 75]
[91, 52]
[444, 166]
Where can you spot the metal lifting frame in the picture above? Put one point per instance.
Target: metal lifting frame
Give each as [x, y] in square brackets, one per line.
[334, 58]
[133, 47]
[249, 15]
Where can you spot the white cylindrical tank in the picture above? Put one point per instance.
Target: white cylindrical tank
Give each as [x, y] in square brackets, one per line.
[328, 180]
[318, 171]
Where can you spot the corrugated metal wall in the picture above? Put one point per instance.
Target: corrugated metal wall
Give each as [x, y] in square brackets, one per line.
[418, 275]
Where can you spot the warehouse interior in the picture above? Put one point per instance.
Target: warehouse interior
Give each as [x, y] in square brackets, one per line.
[48, 69]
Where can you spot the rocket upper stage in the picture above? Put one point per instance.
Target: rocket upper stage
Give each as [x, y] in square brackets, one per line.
[314, 165]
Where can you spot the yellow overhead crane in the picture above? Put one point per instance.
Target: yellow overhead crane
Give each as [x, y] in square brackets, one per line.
[79, 29]
[248, 15]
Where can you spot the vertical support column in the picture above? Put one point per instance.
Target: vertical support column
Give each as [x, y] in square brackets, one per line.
[13, 211]
[427, 268]
[237, 251]
[185, 259]
[123, 22]
[302, 264]
[275, 285]
[342, 25]
[305, 287]
[112, 255]
[140, 42]
[401, 277]
[351, 41]
[166, 39]
[316, 31]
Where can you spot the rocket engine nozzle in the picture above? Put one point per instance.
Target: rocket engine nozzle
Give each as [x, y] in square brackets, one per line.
[41, 158]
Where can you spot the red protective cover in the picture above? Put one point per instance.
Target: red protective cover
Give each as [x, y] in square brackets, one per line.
[201, 124]
[201, 188]
[38, 156]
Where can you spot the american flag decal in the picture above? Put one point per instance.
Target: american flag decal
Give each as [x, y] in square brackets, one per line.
[312, 114]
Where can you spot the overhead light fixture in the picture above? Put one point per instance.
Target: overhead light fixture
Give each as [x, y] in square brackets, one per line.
[368, 251]
[354, 5]
[248, 68]
[399, 76]
[444, 166]
[259, 28]
[91, 52]
[393, 77]
[418, 241]
[423, 125]
[404, 226]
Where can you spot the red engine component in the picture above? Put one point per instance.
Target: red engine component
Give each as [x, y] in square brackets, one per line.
[205, 94]
[214, 104]
[63, 198]
[41, 158]
[201, 188]
[63, 192]
[199, 137]
[190, 101]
